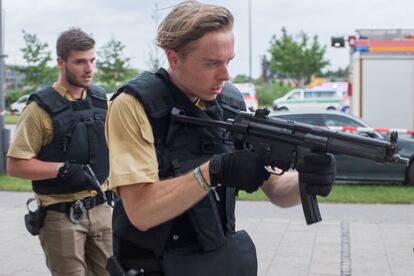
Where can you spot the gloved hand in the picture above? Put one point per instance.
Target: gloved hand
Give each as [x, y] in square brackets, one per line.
[243, 170]
[318, 171]
[74, 175]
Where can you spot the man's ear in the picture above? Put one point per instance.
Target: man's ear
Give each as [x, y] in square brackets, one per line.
[172, 57]
[60, 62]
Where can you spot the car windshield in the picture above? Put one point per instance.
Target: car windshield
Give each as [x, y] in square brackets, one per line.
[336, 120]
[331, 120]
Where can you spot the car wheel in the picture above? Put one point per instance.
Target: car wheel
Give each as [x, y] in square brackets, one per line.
[331, 108]
[283, 109]
[410, 174]
[14, 112]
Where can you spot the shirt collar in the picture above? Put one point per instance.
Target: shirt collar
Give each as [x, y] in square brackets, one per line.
[64, 92]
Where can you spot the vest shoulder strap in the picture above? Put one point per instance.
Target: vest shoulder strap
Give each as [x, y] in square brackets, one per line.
[51, 101]
[98, 96]
[231, 97]
[151, 91]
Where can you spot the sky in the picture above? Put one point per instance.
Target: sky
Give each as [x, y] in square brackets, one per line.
[134, 23]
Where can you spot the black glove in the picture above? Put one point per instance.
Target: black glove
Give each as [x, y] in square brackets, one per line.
[243, 170]
[74, 175]
[318, 171]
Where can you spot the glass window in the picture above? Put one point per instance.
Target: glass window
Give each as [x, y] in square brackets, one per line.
[335, 120]
[313, 119]
[325, 94]
[309, 95]
[294, 96]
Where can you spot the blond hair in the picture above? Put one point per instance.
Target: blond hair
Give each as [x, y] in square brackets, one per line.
[189, 21]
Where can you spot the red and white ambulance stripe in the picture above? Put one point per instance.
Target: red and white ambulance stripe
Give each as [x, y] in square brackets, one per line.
[368, 129]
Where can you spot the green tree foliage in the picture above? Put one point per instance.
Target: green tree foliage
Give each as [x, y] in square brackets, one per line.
[13, 95]
[267, 92]
[240, 79]
[297, 59]
[112, 67]
[37, 56]
[340, 73]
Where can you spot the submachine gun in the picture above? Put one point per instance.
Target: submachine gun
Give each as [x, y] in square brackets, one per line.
[282, 142]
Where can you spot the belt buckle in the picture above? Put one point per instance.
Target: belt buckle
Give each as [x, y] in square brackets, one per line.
[76, 211]
[88, 203]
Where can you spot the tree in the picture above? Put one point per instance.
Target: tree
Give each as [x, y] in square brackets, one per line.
[37, 56]
[340, 73]
[300, 59]
[240, 79]
[112, 67]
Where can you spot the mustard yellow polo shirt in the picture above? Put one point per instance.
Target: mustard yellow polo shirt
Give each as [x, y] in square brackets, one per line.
[132, 157]
[130, 140]
[34, 131]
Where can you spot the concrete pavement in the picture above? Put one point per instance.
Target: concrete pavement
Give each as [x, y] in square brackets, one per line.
[352, 239]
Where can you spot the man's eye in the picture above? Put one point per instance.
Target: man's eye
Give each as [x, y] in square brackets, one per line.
[212, 64]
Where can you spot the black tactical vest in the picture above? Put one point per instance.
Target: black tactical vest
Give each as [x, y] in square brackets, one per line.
[78, 134]
[180, 148]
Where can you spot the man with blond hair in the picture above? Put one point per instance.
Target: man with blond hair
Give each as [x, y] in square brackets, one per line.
[177, 183]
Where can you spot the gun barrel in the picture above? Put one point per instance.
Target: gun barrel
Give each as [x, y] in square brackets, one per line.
[301, 134]
[96, 185]
[320, 138]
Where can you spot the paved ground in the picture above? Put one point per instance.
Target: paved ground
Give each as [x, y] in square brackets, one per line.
[351, 240]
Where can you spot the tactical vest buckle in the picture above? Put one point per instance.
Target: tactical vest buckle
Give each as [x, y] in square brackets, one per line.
[88, 120]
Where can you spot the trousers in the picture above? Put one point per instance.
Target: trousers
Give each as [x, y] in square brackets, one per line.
[77, 249]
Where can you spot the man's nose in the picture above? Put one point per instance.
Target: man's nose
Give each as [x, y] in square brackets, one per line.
[223, 73]
[90, 67]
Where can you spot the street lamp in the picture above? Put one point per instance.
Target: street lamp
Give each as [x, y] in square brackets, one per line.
[4, 133]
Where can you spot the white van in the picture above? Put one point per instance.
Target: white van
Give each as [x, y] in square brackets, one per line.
[309, 99]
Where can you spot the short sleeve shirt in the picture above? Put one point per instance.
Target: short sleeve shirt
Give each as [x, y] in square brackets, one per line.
[130, 140]
[34, 131]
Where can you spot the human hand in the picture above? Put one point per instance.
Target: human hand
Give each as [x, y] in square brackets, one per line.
[318, 171]
[242, 169]
[74, 177]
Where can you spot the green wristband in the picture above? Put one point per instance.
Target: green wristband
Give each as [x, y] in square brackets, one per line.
[200, 180]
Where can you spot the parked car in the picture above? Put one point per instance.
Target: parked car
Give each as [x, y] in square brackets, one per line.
[17, 107]
[109, 96]
[248, 91]
[356, 169]
[309, 99]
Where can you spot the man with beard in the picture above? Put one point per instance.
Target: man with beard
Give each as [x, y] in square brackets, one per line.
[59, 137]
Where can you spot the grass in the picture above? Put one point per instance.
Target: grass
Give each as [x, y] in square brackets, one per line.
[353, 193]
[341, 193]
[11, 119]
[8, 183]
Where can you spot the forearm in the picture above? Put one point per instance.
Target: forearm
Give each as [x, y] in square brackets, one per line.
[283, 190]
[150, 204]
[32, 169]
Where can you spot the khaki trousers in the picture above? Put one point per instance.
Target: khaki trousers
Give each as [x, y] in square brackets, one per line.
[78, 249]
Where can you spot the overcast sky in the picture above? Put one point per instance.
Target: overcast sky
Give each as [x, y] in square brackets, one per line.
[133, 22]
